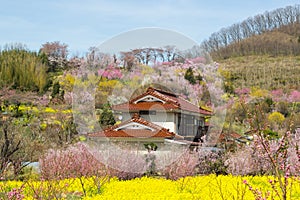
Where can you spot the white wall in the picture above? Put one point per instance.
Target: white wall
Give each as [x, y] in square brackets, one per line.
[164, 119]
[167, 125]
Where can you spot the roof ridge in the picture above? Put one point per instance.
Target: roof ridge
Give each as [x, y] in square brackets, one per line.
[180, 97]
[165, 97]
[171, 101]
[157, 93]
[162, 91]
[137, 97]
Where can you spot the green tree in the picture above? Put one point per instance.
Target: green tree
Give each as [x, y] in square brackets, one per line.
[106, 117]
[55, 90]
[57, 94]
[189, 75]
[22, 69]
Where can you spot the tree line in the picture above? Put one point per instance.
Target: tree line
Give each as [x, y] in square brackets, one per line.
[259, 24]
[26, 70]
[22, 69]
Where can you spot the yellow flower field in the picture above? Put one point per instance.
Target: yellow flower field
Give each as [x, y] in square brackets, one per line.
[209, 187]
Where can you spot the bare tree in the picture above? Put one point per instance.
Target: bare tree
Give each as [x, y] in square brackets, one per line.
[227, 40]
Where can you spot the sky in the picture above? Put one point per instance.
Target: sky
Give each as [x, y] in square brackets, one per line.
[84, 24]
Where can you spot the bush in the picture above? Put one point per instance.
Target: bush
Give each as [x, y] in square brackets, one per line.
[80, 160]
[184, 166]
[258, 158]
[211, 162]
[74, 161]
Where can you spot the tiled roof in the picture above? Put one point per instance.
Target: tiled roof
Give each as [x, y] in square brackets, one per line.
[231, 135]
[154, 131]
[172, 102]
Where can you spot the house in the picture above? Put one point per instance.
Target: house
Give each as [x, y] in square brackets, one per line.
[167, 110]
[136, 130]
[154, 110]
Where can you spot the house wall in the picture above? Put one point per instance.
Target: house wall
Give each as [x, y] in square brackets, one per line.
[163, 119]
[168, 125]
[184, 124]
[125, 116]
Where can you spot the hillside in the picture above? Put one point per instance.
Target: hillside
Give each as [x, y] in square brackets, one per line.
[271, 33]
[262, 51]
[270, 60]
[263, 71]
[278, 42]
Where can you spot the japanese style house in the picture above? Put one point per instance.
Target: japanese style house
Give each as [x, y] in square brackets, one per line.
[158, 114]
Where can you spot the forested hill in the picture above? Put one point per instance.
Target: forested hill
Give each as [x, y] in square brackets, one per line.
[275, 33]
[262, 51]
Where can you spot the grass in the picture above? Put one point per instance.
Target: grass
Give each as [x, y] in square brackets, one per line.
[263, 71]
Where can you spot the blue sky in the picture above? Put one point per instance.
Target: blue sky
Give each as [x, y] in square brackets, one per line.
[82, 24]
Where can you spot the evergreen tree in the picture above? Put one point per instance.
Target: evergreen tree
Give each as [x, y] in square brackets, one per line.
[189, 75]
[106, 117]
[55, 91]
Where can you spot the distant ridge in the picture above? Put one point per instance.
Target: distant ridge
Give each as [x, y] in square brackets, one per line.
[273, 33]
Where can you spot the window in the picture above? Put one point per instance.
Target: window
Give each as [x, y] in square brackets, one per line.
[187, 125]
[147, 112]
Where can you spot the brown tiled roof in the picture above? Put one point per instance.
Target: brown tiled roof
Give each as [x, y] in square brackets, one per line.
[156, 132]
[172, 102]
[233, 135]
[163, 95]
[132, 133]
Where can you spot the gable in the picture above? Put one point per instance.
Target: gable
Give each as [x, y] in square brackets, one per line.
[148, 98]
[135, 126]
[167, 101]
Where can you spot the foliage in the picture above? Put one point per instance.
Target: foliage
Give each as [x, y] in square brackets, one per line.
[106, 118]
[56, 55]
[270, 134]
[267, 154]
[24, 136]
[189, 75]
[58, 132]
[276, 117]
[55, 90]
[258, 93]
[150, 146]
[211, 162]
[57, 95]
[67, 82]
[53, 127]
[22, 69]
[105, 88]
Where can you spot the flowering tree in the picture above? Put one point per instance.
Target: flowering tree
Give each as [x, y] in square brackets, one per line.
[266, 155]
